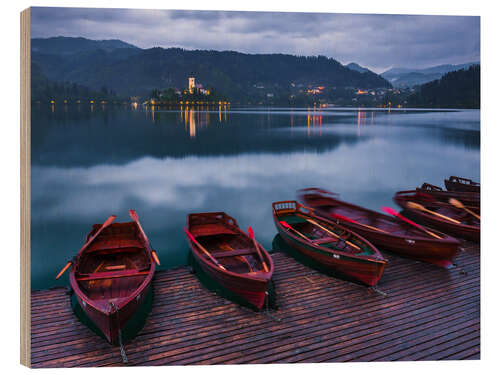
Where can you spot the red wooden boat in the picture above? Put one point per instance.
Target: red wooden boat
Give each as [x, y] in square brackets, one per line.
[112, 274]
[438, 214]
[455, 183]
[385, 232]
[466, 197]
[333, 246]
[230, 256]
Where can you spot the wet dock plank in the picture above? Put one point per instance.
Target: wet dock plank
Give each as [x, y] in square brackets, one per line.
[423, 313]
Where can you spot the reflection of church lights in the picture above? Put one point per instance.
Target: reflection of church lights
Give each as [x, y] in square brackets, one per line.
[220, 114]
[361, 119]
[308, 122]
[359, 122]
[153, 112]
[192, 124]
[320, 124]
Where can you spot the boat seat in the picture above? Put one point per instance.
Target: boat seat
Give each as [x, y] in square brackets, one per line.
[233, 253]
[110, 275]
[111, 244]
[117, 267]
[324, 240]
[210, 230]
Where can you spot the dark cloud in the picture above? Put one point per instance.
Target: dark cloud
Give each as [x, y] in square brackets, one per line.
[374, 41]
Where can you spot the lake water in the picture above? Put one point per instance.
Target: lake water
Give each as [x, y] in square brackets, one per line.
[87, 165]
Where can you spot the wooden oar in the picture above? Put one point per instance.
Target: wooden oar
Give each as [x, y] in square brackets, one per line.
[417, 206]
[332, 233]
[252, 236]
[64, 269]
[104, 225]
[341, 217]
[287, 226]
[390, 211]
[135, 217]
[458, 204]
[191, 237]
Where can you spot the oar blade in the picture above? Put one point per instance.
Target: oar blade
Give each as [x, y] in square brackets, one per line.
[133, 214]
[250, 233]
[64, 269]
[390, 211]
[285, 224]
[109, 220]
[155, 257]
[341, 217]
[456, 203]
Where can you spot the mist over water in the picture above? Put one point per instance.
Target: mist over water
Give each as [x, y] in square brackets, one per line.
[87, 165]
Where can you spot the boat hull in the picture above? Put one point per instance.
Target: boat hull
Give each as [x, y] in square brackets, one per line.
[440, 252]
[461, 187]
[365, 270]
[466, 198]
[465, 231]
[123, 288]
[111, 322]
[252, 290]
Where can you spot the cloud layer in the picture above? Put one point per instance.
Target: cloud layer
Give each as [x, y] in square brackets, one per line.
[375, 41]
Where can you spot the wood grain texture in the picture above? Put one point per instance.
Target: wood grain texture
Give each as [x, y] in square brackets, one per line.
[428, 313]
[25, 162]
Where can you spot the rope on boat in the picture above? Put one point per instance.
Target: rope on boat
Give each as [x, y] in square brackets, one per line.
[122, 349]
[267, 309]
[377, 290]
[460, 269]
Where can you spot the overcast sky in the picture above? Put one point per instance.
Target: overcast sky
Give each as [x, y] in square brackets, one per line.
[378, 42]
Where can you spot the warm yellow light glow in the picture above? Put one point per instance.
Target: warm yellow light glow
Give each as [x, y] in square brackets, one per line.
[192, 124]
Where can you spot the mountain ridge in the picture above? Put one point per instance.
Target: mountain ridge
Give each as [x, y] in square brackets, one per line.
[130, 70]
[409, 77]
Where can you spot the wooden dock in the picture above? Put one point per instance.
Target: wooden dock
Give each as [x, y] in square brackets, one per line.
[420, 312]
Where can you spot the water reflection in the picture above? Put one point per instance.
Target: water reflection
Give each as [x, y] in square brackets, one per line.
[192, 124]
[171, 162]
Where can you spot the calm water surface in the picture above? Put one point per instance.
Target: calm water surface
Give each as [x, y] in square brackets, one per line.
[87, 165]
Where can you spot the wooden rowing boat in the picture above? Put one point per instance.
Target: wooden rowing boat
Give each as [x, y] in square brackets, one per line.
[466, 197]
[230, 256]
[111, 276]
[385, 232]
[434, 214]
[455, 183]
[333, 246]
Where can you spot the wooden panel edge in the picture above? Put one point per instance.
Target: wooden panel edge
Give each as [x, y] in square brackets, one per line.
[25, 200]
